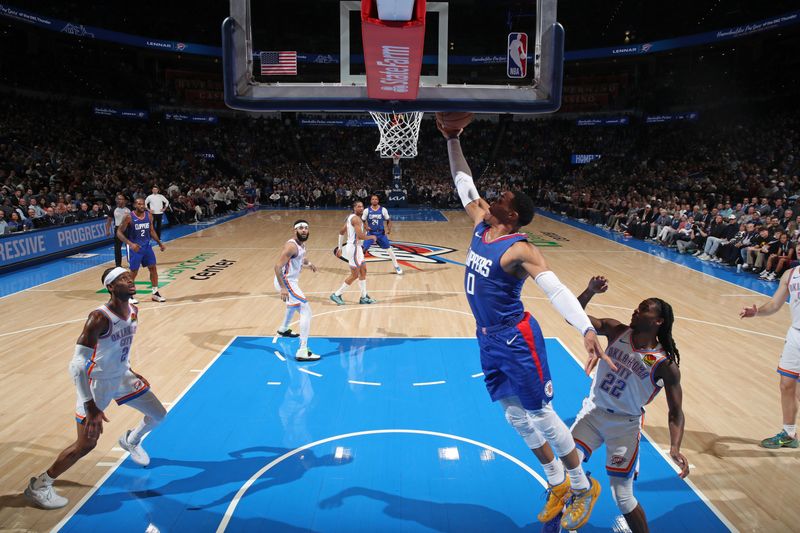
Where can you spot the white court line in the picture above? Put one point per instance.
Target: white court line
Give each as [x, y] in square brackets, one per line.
[279, 356]
[196, 370]
[106, 464]
[372, 383]
[206, 302]
[479, 374]
[117, 449]
[111, 470]
[311, 372]
[235, 501]
[426, 383]
[664, 456]
[273, 382]
[274, 339]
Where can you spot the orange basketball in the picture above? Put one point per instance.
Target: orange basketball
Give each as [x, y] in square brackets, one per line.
[454, 120]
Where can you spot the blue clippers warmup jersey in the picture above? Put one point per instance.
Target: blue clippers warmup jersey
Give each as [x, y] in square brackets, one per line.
[138, 231]
[493, 294]
[375, 220]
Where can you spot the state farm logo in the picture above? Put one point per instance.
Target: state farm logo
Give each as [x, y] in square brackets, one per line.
[394, 68]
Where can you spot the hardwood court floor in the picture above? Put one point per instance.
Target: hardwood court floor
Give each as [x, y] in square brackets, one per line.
[729, 381]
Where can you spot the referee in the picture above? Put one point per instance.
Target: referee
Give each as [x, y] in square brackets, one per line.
[156, 203]
[115, 219]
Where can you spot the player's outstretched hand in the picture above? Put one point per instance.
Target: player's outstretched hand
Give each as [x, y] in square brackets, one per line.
[598, 284]
[448, 133]
[679, 459]
[748, 312]
[312, 267]
[595, 351]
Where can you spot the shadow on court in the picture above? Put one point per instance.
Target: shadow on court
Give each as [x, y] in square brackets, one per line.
[444, 517]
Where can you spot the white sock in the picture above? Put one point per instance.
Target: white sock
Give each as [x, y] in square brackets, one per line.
[363, 284]
[555, 472]
[341, 289]
[578, 479]
[790, 430]
[155, 289]
[393, 257]
[305, 324]
[287, 319]
[43, 481]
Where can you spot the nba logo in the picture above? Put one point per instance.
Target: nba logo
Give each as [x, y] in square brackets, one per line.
[517, 60]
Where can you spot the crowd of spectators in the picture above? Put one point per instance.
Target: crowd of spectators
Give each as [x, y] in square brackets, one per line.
[723, 188]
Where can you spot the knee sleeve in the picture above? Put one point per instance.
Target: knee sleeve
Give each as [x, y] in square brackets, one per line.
[517, 416]
[622, 490]
[150, 406]
[553, 429]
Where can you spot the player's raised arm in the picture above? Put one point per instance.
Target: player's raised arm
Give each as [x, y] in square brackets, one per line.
[528, 258]
[772, 306]
[475, 206]
[607, 327]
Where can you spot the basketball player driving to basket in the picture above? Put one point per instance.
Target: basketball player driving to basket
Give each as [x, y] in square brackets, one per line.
[512, 347]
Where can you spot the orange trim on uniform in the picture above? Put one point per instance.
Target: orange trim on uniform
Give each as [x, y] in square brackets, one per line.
[289, 288]
[135, 394]
[788, 373]
[92, 363]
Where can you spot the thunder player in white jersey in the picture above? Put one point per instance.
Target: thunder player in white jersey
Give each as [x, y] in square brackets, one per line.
[101, 372]
[287, 273]
[647, 361]
[353, 252]
[789, 364]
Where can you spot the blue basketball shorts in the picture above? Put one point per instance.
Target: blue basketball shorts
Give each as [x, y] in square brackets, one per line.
[514, 363]
[144, 257]
[382, 241]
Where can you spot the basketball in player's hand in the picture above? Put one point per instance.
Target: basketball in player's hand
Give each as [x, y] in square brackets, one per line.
[452, 123]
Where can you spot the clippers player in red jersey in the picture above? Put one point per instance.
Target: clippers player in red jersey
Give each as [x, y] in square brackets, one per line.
[647, 361]
[102, 373]
[513, 354]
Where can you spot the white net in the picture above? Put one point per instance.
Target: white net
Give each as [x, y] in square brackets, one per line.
[399, 133]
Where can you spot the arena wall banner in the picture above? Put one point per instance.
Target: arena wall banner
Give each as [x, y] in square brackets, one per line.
[61, 240]
[183, 117]
[182, 47]
[671, 117]
[603, 121]
[133, 114]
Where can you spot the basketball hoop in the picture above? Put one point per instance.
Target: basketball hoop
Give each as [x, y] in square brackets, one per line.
[399, 133]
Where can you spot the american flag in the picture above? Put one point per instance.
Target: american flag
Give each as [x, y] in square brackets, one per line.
[279, 63]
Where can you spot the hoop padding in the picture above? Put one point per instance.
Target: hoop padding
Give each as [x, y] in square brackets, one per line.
[399, 133]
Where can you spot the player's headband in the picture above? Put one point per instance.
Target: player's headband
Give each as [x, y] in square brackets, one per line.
[301, 225]
[114, 274]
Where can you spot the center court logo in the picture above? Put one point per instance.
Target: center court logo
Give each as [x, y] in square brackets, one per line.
[409, 252]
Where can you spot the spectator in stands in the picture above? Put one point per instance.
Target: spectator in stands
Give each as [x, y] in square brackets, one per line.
[15, 223]
[4, 229]
[721, 234]
[781, 253]
[754, 254]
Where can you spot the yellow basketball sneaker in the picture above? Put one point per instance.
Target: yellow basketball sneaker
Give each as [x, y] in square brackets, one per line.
[579, 506]
[556, 497]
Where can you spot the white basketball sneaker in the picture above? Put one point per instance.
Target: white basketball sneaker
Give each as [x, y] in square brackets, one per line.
[158, 298]
[133, 300]
[138, 455]
[45, 496]
[304, 354]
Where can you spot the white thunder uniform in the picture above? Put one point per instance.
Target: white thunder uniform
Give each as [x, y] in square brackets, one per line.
[789, 364]
[613, 411]
[352, 250]
[291, 275]
[110, 376]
